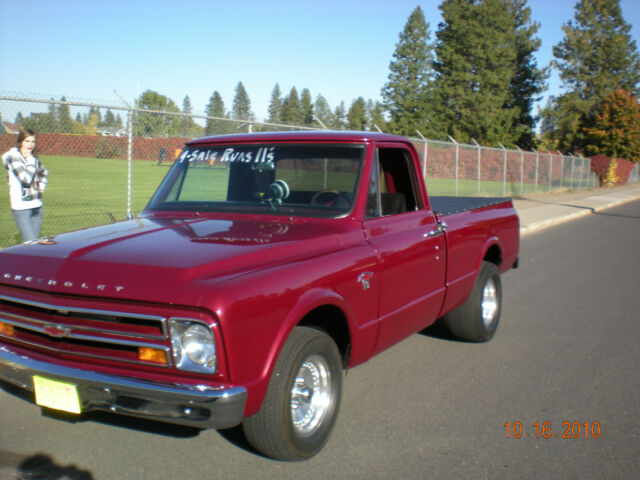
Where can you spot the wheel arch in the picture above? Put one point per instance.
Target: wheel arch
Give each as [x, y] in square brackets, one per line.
[322, 309]
[332, 320]
[493, 254]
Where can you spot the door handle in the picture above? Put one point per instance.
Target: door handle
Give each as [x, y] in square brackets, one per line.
[441, 228]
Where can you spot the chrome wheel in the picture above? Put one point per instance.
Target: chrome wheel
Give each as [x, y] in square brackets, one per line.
[489, 302]
[311, 395]
[302, 402]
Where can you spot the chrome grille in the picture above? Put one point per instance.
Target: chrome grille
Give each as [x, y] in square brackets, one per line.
[73, 331]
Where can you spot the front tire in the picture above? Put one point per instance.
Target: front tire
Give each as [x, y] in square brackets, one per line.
[302, 400]
[477, 319]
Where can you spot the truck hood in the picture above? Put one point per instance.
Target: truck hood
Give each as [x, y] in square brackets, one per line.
[158, 259]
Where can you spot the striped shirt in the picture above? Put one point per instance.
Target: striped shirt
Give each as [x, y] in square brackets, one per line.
[27, 179]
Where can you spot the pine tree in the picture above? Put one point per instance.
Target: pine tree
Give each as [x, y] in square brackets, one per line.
[186, 105]
[275, 106]
[596, 56]
[528, 81]
[306, 105]
[476, 58]
[292, 113]
[375, 116]
[241, 107]
[322, 112]
[215, 108]
[357, 115]
[109, 119]
[340, 117]
[65, 122]
[188, 127]
[405, 95]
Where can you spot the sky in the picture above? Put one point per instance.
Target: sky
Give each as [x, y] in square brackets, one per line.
[341, 49]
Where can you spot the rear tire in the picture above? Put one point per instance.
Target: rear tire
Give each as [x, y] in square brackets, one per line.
[302, 400]
[477, 319]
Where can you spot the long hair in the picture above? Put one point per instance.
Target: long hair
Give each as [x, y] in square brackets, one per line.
[22, 134]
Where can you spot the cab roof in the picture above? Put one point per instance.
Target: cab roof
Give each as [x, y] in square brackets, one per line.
[300, 136]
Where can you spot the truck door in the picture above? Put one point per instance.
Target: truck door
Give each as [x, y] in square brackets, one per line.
[410, 247]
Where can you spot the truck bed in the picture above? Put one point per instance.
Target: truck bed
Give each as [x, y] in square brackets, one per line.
[447, 205]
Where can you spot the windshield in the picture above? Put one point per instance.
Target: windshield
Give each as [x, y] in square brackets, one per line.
[298, 180]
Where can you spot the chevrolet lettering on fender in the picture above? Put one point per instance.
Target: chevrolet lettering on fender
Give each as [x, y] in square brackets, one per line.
[263, 267]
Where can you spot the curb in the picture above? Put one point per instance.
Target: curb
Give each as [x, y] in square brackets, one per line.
[583, 212]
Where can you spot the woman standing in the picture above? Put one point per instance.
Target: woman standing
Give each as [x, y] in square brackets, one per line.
[27, 180]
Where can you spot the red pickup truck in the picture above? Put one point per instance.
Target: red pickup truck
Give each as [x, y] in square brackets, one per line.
[263, 267]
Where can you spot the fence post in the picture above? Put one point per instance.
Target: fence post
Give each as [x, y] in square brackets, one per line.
[129, 152]
[504, 171]
[424, 155]
[479, 153]
[535, 181]
[129, 162]
[573, 160]
[582, 162]
[521, 170]
[550, 169]
[456, 173]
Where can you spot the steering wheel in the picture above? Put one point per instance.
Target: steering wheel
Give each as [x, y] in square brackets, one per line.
[325, 198]
[278, 191]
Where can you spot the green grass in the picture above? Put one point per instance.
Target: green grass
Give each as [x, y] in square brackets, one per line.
[84, 192]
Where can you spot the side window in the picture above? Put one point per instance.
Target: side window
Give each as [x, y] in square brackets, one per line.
[397, 182]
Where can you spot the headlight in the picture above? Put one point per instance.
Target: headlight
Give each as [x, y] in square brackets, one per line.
[194, 346]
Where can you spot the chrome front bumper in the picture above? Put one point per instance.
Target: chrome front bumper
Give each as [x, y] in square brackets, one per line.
[196, 406]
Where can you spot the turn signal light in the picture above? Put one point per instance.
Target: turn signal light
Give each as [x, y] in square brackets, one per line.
[7, 329]
[154, 355]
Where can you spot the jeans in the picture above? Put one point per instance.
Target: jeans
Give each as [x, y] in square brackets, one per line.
[29, 223]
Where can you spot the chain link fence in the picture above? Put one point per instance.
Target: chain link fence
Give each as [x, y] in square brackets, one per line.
[106, 159]
[452, 168]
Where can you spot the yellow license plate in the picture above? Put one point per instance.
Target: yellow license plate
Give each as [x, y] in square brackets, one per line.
[57, 395]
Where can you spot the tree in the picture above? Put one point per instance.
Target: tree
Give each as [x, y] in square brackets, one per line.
[476, 58]
[153, 124]
[616, 127]
[91, 128]
[340, 117]
[215, 108]
[596, 56]
[292, 113]
[275, 106]
[93, 112]
[188, 127]
[63, 114]
[43, 122]
[322, 112]
[109, 119]
[375, 116]
[241, 107]
[405, 95]
[528, 81]
[357, 115]
[19, 119]
[306, 104]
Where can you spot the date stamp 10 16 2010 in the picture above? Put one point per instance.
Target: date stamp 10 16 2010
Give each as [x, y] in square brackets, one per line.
[573, 430]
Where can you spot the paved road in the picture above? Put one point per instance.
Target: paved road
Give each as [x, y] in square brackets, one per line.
[567, 351]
